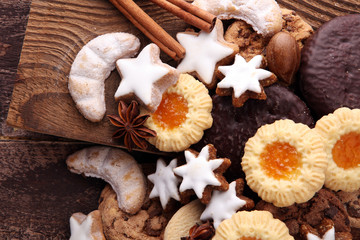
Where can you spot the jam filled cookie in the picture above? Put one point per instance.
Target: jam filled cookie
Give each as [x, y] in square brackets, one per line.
[330, 63]
[341, 134]
[285, 163]
[232, 127]
[252, 225]
[182, 116]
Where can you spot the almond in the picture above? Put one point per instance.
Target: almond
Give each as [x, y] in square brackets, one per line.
[283, 57]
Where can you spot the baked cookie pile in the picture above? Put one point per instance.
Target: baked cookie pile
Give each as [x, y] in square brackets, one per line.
[260, 149]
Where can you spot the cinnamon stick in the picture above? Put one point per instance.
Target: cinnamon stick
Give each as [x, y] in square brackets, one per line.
[150, 28]
[189, 13]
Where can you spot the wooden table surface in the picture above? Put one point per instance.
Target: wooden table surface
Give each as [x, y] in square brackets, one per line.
[37, 193]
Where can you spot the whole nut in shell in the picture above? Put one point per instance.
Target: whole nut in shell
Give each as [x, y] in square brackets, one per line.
[283, 56]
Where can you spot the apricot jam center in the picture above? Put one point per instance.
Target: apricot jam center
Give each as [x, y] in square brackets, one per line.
[346, 152]
[172, 111]
[249, 238]
[280, 160]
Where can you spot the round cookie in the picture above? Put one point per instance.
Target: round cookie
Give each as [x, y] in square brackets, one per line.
[148, 224]
[324, 204]
[351, 201]
[330, 63]
[232, 127]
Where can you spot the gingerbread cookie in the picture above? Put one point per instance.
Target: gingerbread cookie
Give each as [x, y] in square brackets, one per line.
[232, 127]
[325, 204]
[202, 173]
[244, 80]
[147, 224]
[148, 84]
[224, 204]
[330, 62]
[205, 52]
[351, 201]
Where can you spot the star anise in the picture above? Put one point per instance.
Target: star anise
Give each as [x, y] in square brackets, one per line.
[204, 231]
[131, 126]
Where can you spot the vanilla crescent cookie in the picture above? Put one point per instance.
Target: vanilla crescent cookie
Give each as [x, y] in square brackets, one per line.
[116, 167]
[182, 116]
[86, 226]
[92, 65]
[340, 132]
[252, 225]
[285, 163]
[263, 15]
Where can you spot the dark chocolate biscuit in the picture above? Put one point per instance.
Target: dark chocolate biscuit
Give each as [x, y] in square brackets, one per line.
[330, 66]
[324, 204]
[351, 201]
[232, 127]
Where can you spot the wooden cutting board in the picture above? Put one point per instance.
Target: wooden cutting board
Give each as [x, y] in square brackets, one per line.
[57, 30]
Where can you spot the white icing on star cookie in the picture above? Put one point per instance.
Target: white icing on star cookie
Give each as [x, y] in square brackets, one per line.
[198, 173]
[243, 76]
[203, 52]
[329, 235]
[86, 227]
[223, 205]
[145, 78]
[165, 182]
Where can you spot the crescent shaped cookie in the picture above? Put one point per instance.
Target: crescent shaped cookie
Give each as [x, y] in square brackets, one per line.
[117, 168]
[263, 15]
[92, 65]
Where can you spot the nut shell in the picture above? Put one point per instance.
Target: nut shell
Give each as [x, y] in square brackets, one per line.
[283, 57]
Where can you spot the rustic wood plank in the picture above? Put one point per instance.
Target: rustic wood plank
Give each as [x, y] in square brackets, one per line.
[37, 192]
[56, 32]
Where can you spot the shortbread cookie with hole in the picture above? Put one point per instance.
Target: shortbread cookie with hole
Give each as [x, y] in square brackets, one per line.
[182, 116]
[285, 163]
[116, 167]
[86, 226]
[252, 225]
[92, 65]
[340, 132]
[263, 15]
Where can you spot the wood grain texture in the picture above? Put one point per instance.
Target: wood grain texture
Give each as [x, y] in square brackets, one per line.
[37, 192]
[56, 32]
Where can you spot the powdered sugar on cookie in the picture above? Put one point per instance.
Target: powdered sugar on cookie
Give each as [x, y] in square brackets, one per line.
[165, 182]
[223, 205]
[329, 235]
[145, 78]
[263, 15]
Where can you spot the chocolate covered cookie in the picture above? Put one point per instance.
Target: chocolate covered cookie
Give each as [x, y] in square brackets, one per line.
[330, 66]
[324, 205]
[232, 127]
